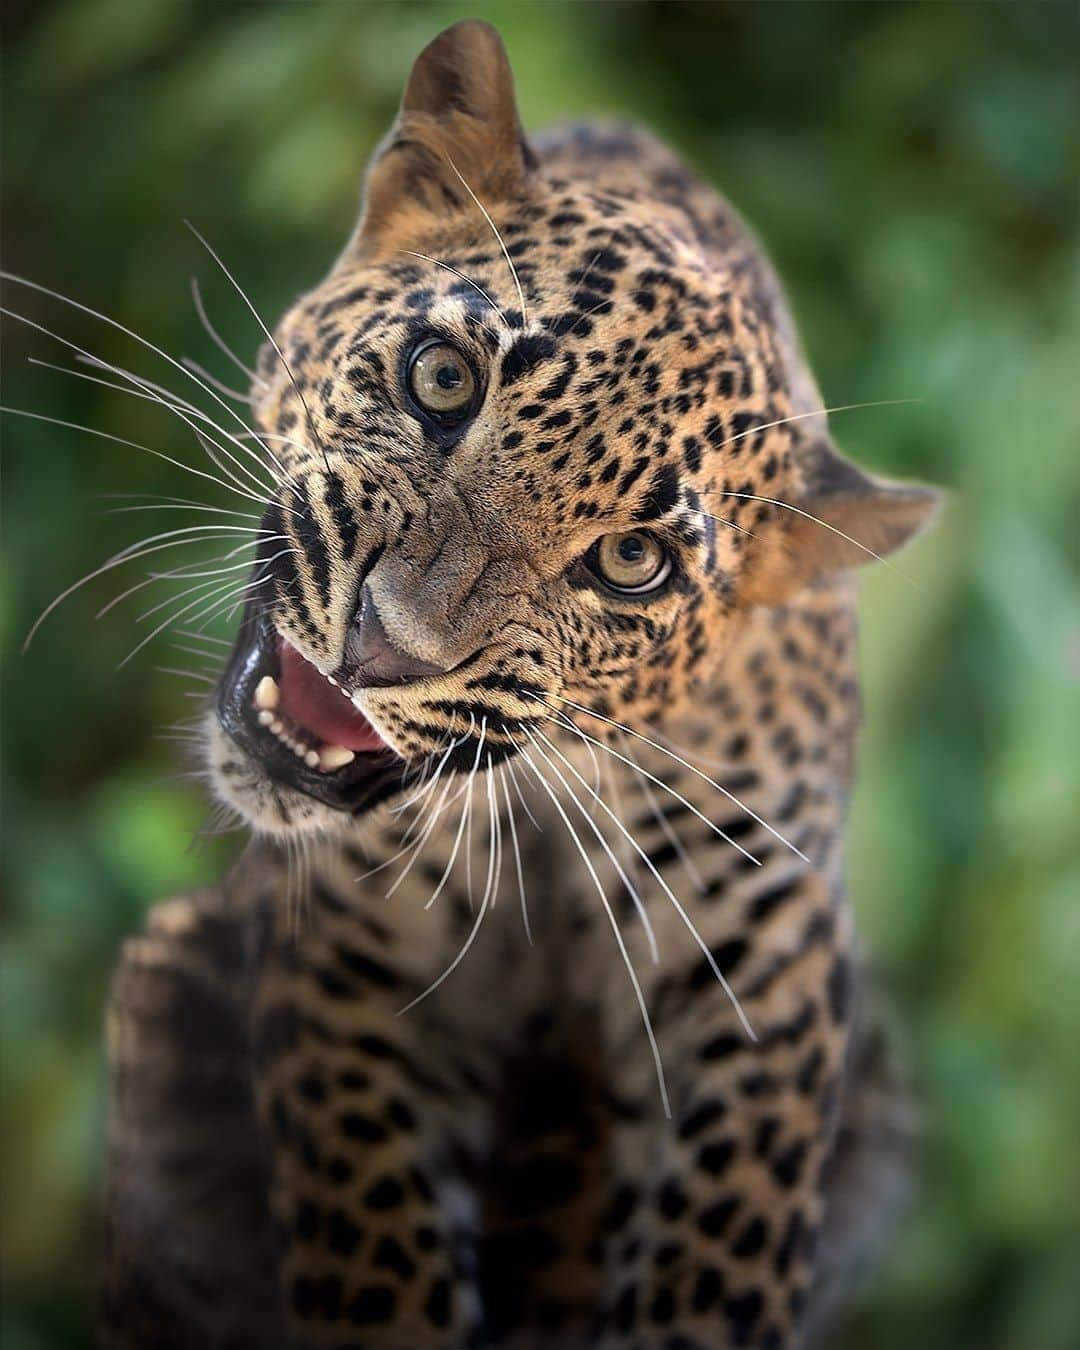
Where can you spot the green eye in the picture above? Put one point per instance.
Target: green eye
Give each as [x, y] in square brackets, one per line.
[441, 380]
[633, 563]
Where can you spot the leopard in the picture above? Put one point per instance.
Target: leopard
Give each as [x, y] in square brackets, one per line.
[532, 1013]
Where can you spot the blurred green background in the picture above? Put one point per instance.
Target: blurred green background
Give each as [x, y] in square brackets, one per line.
[913, 169]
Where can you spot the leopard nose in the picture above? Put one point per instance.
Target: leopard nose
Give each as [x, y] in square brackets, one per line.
[370, 660]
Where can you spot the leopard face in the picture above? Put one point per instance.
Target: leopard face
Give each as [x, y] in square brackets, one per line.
[537, 444]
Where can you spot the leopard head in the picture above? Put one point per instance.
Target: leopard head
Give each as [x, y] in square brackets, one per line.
[537, 445]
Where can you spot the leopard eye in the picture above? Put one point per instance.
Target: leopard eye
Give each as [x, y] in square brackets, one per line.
[632, 563]
[441, 380]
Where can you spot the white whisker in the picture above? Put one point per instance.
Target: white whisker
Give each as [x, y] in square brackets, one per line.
[213, 380]
[502, 243]
[670, 834]
[269, 337]
[172, 619]
[637, 735]
[638, 994]
[468, 280]
[125, 555]
[215, 337]
[488, 888]
[680, 910]
[566, 723]
[113, 323]
[517, 857]
[521, 797]
[624, 876]
[461, 823]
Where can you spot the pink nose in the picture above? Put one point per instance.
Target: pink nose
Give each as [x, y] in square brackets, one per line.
[370, 659]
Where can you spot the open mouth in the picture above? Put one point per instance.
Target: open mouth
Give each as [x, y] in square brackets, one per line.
[301, 726]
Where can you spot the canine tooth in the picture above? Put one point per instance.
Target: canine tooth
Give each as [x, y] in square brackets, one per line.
[311, 759]
[266, 693]
[266, 718]
[334, 757]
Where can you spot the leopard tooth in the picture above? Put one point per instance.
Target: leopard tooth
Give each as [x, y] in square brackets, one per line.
[311, 759]
[334, 757]
[266, 717]
[266, 693]
[277, 726]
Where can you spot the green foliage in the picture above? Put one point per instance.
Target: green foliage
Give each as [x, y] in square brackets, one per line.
[912, 168]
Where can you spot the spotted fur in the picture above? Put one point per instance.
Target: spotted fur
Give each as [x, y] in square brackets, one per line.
[293, 1161]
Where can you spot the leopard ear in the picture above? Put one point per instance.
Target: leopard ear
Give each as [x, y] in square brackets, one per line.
[842, 518]
[458, 130]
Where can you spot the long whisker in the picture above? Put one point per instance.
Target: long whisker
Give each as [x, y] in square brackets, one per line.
[177, 504]
[395, 810]
[164, 398]
[172, 401]
[670, 834]
[125, 555]
[134, 445]
[213, 380]
[806, 515]
[434, 814]
[461, 823]
[203, 655]
[624, 877]
[567, 724]
[113, 323]
[704, 946]
[269, 337]
[488, 889]
[214, 574]
[495, 845]
[502, 243]
[468, 280]
[177, 574]
[694, 755]
[215, 337]
[637, 735]
[638, 994]
[180, 407]
[817, 412]
[468, 845]
[185, 674]
[213, 583]
[521, 796]
[173, 617]
[616, 800]
[202, 637]
[517, 857]
[231, 601]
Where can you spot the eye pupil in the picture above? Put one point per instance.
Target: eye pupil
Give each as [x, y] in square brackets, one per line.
[448, 377]
[632, 548]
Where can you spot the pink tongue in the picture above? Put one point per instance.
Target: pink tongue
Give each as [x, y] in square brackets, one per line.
[312, 703]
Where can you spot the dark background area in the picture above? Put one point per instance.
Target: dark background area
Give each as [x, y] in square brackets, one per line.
[913, 169]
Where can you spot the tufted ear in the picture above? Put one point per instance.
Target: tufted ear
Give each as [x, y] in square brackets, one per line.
[458, 125]
[842, 518]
